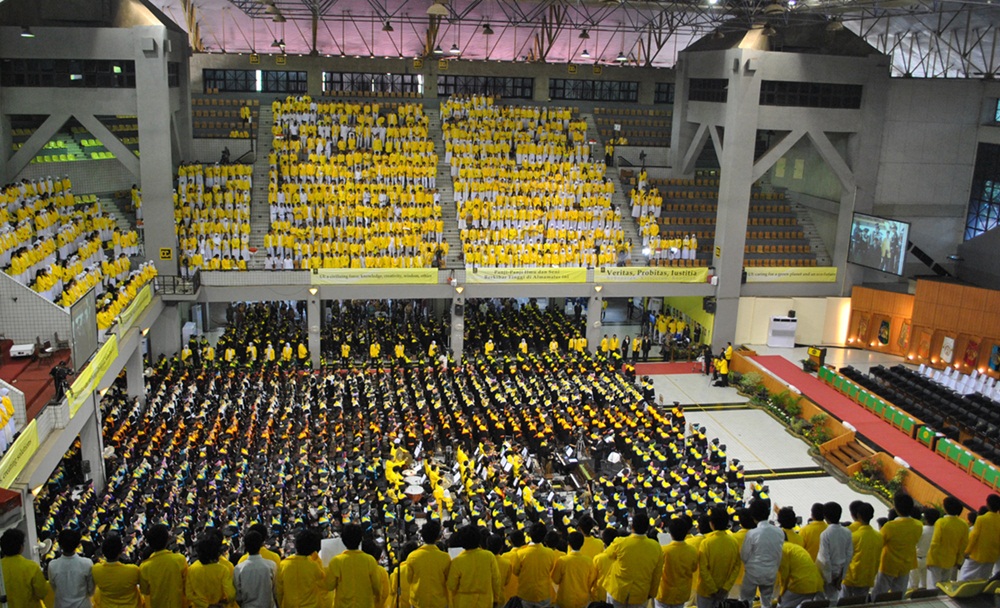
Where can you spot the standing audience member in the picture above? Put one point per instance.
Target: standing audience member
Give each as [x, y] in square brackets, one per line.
[867, 552]
[24, 583]
[680, 562]
[799, 576]
[300, 581]
[761, 555]
[575, 575]
[983, 550]
[947, 550]
[209, 582]
[899, 548]
[428, 570]
[918, 576]
[718, 561]
[254, 576]
[836, 546]
[71, 575]
[118, 583]
[353, 576]
[812, 530]
[532, 566]
[636, 566]
[474, 575]
[162, 575]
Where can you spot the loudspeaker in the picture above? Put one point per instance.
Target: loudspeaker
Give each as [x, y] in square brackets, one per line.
[791, 314]
[459, 310]
[708, 304]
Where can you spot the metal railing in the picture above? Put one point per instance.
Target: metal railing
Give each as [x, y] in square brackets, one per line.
[177, 285]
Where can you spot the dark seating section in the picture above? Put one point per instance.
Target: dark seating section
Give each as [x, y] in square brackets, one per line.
[218, 117]
[973, 420]
[637, 126]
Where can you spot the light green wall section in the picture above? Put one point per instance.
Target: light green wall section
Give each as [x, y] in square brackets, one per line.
[803, 170]
[692, 307]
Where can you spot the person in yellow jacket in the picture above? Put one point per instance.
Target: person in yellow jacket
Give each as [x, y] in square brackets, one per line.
[533, 566]
[162, 575]
[474, 576]
[602, 563]
[374, 550]
[345, 352]
[209, 582]
[718, 561]
[504, 568]
[303, 354]
[300, 582]
[899, 547]
[951, 536]
[984, 543]
[117, 583]
[374, 350]
[637, 564]
[812, 530]
[592, 546]
[788, 522]
[23, 580]
[266, 553]
[286, 353]
[353, 576]
[488, 348]
[680, 561]
[575, 574]
[798, 576]
[428, 570]
[867, 544]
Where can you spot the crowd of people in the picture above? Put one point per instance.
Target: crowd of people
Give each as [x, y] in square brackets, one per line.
[58, 246]
[527, 192]
[352, 186]
[378, 330]
[212, 216]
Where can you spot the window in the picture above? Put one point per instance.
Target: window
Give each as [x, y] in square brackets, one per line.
[368, 82]
[594, 90]
[810, 94]
[83, 73]
[664, 93]
[708, 89]
[984, 201]
[996, 116]
[173, 74]
[231, 81]
[502, 86]
[279, 81]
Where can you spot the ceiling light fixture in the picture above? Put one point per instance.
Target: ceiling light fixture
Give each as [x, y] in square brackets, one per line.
[584, 35]
[455, 50]
[487, 30]
[279, 18]
[621, 57]
[387, 27]
[438, 51]
[277, 44]
[26, 32]
[585, 54]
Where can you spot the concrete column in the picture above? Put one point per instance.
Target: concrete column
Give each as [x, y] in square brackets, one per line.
[92, 446]
[594, 330]
[314, 321]
[135, 382]
[457, 328]
[6, 143]
[165, 333]
[26, 523]
[156, 163]
[734, 190]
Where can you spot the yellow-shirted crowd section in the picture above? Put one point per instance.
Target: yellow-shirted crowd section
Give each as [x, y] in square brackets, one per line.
[212, 216]
[61, 246]
[527, 191]
[352, 185]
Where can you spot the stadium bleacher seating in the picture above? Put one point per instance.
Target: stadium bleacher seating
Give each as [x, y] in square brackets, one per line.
[217, 117]
[638, 127]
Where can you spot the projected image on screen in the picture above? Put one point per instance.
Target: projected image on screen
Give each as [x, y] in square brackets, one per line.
[83, 320]
[878, 243]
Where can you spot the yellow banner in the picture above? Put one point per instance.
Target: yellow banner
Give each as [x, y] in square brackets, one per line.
[19, 455]
[91, 375]
[526, 275]
[132, 312]
[650, 274]
[792, 274]
[374, 276]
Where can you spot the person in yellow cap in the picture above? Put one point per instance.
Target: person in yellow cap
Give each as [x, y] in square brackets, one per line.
[799, 577]
[23, 580]
[162, 574]
[117, 583]
[428, 570]
[575, 574]
[474, 576]
[951, 536]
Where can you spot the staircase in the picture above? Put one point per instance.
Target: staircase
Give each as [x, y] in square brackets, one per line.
[445, 187]
[847, 454]
[118, 209]
[809, 230]
[620, 198]
[260, 212]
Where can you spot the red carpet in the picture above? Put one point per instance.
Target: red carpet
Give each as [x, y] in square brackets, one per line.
[31, 377]
[681, 367]
[876, 431]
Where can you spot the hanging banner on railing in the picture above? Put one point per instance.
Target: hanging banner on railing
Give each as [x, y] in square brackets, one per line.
[525, 275]
[132, 312]
[650, 274]
[91, 375]
[19, 454]
[374, 276]
[792, 274]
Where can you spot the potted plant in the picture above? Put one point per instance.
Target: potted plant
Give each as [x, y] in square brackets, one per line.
[809, 366]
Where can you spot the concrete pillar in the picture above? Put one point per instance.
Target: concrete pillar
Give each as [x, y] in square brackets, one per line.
[457, 328]
[156, 163]
[314, 321]
[92, 447]
[26, 523]
[135, 382]
[165, 333]
[594, 329]
[735, 186]
[6, 143]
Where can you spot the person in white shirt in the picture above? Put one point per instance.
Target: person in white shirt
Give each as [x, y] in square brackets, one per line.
[835, 551]
[761, 555]
[71, 575]
[918, 576]
[254, 578]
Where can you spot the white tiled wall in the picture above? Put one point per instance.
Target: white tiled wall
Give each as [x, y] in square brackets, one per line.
[25, 315]
[86, 175]
[17, 398]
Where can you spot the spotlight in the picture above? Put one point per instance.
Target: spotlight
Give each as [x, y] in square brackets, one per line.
[387, 27]
[455, 50]
[313, 291]
[459, 288]
[585, 54]
[584, 35]
[598, 288]
[487, 30]
[438, 51]
[26, 32]
[621, 57]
